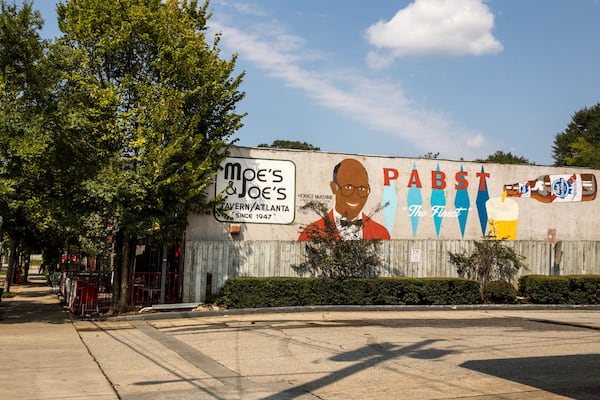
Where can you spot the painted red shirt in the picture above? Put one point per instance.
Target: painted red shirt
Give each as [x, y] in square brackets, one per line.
[370, 229]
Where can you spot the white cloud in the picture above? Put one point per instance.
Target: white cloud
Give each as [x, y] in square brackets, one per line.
[435, 27]
[378, 104]
[476, 141]
[243, 8]
[377, 60]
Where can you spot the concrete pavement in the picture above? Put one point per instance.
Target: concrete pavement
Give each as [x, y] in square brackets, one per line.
[377, 353]
[462, 354]
[42, 355]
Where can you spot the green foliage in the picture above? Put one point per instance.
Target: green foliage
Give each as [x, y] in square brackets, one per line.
[21, 48]
[544, 289]
[290, 144]
[583, 154]
[449, 291]
[164, 99]
[500, 292]
[245, 292]
[124, 118]
[149, 98]
[579, 143]
[330, 257]
[491, 259]
[431, 156]
[568, 289]
[36, 196]
[501, 157]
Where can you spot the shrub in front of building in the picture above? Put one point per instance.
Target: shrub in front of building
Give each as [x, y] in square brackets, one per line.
[568, 289]
[499, 292]
[249, 292]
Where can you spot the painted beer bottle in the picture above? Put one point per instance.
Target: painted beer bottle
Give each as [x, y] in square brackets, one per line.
[556, 188]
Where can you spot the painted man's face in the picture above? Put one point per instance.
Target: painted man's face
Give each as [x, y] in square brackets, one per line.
[351, 189]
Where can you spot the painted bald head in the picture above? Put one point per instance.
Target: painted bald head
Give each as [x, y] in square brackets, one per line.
[350, 185]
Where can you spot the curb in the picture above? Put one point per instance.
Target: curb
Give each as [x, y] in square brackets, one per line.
[299, 309]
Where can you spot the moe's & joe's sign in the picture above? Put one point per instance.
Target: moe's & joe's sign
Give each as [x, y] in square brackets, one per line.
[257, 190]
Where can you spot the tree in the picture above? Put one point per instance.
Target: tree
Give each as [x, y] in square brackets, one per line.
[43, 143]
[501, 157]
[289, 144]
[431, 156]
[26, 105]
[579, 144]
[159, 104]
[490, 260]
[328, 256]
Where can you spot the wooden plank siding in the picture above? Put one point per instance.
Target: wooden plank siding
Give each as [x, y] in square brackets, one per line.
[222, 260]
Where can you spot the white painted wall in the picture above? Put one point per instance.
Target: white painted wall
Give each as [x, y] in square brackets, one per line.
[313, 173]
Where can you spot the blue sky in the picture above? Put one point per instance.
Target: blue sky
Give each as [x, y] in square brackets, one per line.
[464, 78]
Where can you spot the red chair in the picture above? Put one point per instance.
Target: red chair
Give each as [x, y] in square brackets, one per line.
[88, 299]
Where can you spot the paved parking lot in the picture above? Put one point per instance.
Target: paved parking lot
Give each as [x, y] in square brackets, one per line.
[358, 353]
[463, 354]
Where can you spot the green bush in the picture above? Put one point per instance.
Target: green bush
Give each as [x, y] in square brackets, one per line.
[439, 291]
[244, 292]
[568, 289]
[491, 259]
[585, 289]
[500, 292]
[329, 257]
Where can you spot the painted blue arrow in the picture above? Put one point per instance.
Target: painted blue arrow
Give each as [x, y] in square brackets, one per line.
[389, 202]
[462, 203]
[414, 201]
[482, 197]
[438, 202]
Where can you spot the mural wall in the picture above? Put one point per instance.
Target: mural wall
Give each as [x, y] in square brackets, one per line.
[396, 198]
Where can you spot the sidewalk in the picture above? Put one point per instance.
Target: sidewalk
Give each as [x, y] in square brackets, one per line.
[42, 354]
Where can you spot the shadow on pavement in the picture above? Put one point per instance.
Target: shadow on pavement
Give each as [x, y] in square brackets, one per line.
[366, 357]
[25, 311]
[573, 376]
[33, 302]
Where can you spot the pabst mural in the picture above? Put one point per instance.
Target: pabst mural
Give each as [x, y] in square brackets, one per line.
[371, 197]
[438, 210]
[350, 187]
[556, 188]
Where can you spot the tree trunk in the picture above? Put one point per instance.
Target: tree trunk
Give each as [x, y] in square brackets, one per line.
[128, 258]
[12, 262]
[123, 268]
[26, 265]
[117, 263]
